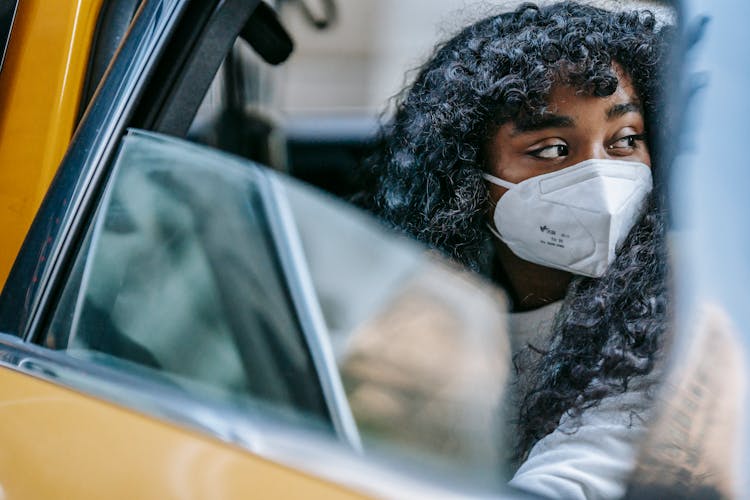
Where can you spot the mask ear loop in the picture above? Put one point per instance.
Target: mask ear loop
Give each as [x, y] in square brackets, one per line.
[498, 182]
[494, 231]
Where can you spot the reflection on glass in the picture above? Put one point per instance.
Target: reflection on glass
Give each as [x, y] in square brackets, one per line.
[202, 268]
[421, 345]
[181, 276]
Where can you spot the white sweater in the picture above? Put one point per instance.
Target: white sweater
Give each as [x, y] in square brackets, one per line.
[589, 461]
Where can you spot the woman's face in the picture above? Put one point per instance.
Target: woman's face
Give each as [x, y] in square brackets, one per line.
[576, 127]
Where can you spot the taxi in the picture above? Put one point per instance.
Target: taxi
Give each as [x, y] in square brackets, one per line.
[180, 318]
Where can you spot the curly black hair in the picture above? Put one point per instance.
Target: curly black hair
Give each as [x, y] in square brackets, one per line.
[426, 180]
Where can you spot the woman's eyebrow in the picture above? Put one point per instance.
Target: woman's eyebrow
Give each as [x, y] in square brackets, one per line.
[619, 110]
[549, 120]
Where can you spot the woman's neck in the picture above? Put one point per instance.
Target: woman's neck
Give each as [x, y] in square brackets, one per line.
[531, 286]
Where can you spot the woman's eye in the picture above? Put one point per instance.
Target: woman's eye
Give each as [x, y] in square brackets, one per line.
[550, 152]
[629, 142]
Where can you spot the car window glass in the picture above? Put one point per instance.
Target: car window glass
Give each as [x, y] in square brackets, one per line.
[204, 268]
[148, 293]
[420, 344]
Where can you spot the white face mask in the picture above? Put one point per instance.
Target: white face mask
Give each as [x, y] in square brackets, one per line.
[573, 219]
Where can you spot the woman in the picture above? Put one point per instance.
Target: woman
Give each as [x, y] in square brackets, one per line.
[525, 150]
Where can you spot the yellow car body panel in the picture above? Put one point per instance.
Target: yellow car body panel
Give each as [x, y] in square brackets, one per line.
[57, 442]
[40, 89]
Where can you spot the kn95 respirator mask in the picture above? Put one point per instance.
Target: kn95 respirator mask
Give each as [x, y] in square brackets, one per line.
[575, 218]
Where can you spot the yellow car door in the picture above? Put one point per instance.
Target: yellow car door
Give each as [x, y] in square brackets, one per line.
[41, 82]
[159, 333]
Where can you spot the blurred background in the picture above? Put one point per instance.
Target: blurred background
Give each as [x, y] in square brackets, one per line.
[315, 116]
[351, 57]
[357, 63]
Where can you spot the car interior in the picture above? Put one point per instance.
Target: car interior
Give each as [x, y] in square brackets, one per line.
[227, 100]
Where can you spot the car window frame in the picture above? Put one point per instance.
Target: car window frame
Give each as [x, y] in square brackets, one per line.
[159, 46]
[163, 41]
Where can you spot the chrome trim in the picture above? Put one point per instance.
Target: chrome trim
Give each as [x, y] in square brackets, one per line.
[302, 291]
[105, 120]
[254, 431]
[7, 16]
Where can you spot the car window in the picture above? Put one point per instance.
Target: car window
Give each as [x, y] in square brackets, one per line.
[420, 344]
[172, 237]
[202, 271]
